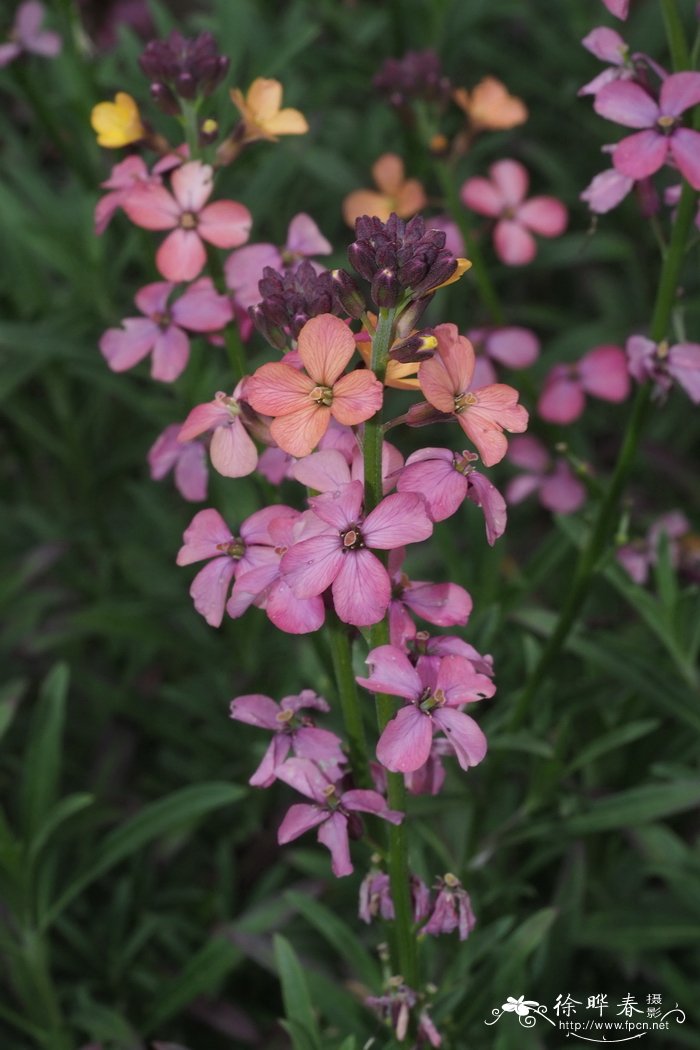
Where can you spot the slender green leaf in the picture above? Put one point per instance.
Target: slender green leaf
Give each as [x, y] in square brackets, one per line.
[202, 974]
[42, 761]
[636, 806]
[339, 935]
[295, 996]
[63, 810]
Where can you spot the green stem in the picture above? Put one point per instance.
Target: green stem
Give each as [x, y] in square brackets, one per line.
[592, 551]
[341, 655]
[190, 124]
[444, 170]
[675, 35]
[404, 955]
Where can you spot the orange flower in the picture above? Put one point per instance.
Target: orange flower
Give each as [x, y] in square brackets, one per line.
[396, 193]
[490, 107]
[262, 116]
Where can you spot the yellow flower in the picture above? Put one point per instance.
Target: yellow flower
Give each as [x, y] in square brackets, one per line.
[490, 107]
[117, 123]
[262, 116]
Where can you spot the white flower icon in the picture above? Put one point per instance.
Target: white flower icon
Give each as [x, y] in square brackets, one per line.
[520, 1006]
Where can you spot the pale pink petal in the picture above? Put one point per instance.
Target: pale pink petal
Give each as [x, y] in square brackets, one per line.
[265, 775]
[482, 197]
[210, 588]
[201, 308]
[606, 44]
[192, 185]
[679, 92]
[256, 528]
[298, 819]
[511, 179]
[685, 150]
[641, 357]
[244, 269]
[627, 104]
[401, 626]
[225, 224]
[544, 215]
[514, 245]
[8, 53]
[310, 566]
[390, 671]
[274, 465]
[291, 614]
[204, 417]
[171, 352]
[276, 389]
[561, 401]
[461, 683]
[444, 604]
[305, 238]
[604, 373]
[619, 8]
[513, 347]
[487, 496]
[251, 588]
[522, 487]
[635, 561]
[334, 836]
[46, 43]
[496, 410]
[456, 354]
[232, 451]
[325, 345]
[684, 366]
[181, 256]
[29, 19]
[642, 154]
[325, 471]
[299, 432]
[357, 396]
[342, 508]
[153, 298]
[361, 589]
[122, 348]
[529, 453]
[606, 191]
[203, 537]
[443, 487]
[164, 452]
[405, 743]
[608, 76]
[305, 777]
[362, 801]
[151, 207]
[255, 709]
[398, 519]
[562, 493]
[469, 743]
[436, 384]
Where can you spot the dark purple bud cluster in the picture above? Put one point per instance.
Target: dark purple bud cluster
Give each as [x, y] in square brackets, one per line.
[400, 258]
[179, 67]
[289, 300]
[418, 75]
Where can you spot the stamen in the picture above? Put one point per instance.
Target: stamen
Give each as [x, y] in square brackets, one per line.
[322, 395]
[188, 220]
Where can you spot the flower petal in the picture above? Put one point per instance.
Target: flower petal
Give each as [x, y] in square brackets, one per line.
[299, 819]
[299, 432]
[511, 179]
[405, 743]
[210, 588]
[469, 743]
[357, 396]
[642, 154]
[255, 709]
[311, 565]
[325, 346]
[514, 245]
[192, 185]
[225, 224]
[398, 519]
[685, 150]
[544, 215]
[604, 373]
[679, 92]
[334, 836]
[232, 451]
[482, 196]
[181, 256]
[390, 671]
[361, 589]
[171, 352]
[561, 401]
[626, 103]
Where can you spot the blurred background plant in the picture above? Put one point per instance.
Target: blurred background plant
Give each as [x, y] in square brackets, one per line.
[142, 887]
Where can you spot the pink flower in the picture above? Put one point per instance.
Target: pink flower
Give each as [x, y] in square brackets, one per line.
[303, 402]
[638, 557]
[27, 35]
[341, 558]
[619, 8]
[331, 811]
[375, 898]
[607, 45]
[662, 364]
[602, 372]
[186, 459]
[208, 537]
[244, 267]
[503, 198]
[558, 489]
[512, 346]
[266, 587]
[291, 730]
[450, 645]
[452, 911]
[124, 178]
[232, 451]
[181, 256]
[606, 191]
[443, 604]
[445, 479]
[395, 1009]
[329, 471]
[483, 414]
[161, 331]
[663, 136]
[435, 687]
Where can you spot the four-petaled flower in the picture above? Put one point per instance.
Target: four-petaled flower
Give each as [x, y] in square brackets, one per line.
[27, 35]
[303, 402]
[395, 193]
[261, 112]
[331, 811]
[232, 450]
[520, 1006]
[181, 256]
[483, 414]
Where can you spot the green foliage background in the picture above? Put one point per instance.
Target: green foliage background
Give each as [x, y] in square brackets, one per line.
[140, 877]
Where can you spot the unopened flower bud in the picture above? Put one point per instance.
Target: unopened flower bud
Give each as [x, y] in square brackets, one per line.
[418, 347]
[347, 294]
[362, 259]
[385, 289]
[273, 334]
[164, 99]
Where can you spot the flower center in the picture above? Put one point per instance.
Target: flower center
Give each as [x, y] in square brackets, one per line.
[235, 548]
[429, 700]
[284, 717]
[464, 400]
[161, 319]
[188, 220]
[463, 463]
[667, 123]
[352, 539]
[322, 395]
[662, 350]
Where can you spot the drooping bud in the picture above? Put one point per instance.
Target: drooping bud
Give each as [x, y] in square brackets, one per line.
[347, 294]
[385, 288]
[417, 347]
